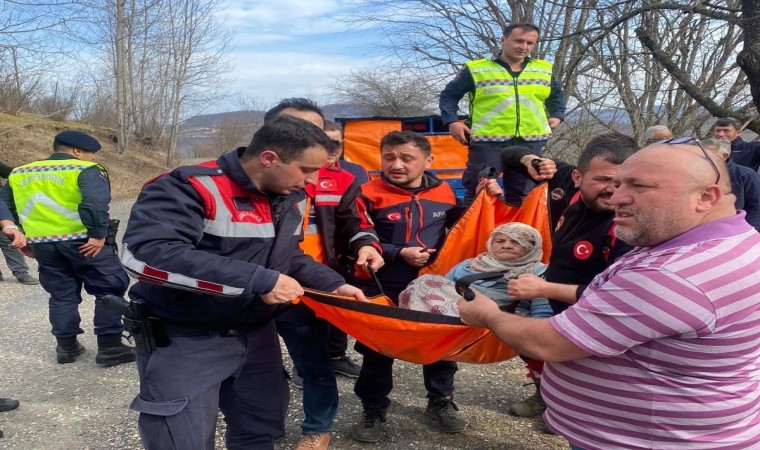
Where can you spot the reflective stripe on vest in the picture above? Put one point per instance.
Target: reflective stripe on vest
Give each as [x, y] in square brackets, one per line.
[47, 197]
[221, 220]
[503, 107]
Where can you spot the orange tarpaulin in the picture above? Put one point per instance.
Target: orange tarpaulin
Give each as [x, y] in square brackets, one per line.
[422, 337]
[361, 139]
[469, 236]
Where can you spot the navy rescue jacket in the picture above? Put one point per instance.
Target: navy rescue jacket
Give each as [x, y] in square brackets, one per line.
[745, 185]
[409, 218]
[205, 244]
[745, 154]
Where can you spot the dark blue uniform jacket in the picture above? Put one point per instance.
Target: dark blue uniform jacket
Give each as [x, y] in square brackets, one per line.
[5, 213]
[745, 184]
[746, 154]
[205, 279]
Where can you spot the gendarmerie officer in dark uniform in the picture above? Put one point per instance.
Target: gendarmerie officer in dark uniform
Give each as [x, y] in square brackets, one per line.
[62, 205]
[215, 249]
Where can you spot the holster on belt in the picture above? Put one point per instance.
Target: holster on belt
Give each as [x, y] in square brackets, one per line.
[137, 321]
[113, 229]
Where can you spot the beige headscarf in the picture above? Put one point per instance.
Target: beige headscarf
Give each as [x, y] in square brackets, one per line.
[524, 235]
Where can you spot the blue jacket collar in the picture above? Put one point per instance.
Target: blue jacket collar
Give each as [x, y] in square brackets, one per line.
[230, 164]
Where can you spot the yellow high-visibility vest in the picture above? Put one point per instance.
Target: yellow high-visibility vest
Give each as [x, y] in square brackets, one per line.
[504, 107]
[47, 196]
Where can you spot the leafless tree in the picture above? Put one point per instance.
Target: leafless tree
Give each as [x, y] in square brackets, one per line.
[169, 58]
[198, 61]
[18, 86]
[121, 78]
[749, 57]
[639, 62]
[384, 92]
[32, 36]
[95, 106]
[58, 104]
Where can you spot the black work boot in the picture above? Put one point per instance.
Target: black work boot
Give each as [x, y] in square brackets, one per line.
[346, 366]
[111, 351]
[446, 415]
[371, 426]
[8, 404]
[530, 407]
[68, 349]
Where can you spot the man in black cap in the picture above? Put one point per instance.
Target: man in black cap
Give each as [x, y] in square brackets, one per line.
[62, 205]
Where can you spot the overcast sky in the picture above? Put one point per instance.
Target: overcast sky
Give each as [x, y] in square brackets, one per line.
[289, 48]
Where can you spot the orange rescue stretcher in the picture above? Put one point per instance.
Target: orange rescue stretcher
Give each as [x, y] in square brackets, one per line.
[422, 337]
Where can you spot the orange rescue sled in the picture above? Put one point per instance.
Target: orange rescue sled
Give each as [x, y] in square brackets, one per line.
[422, 337]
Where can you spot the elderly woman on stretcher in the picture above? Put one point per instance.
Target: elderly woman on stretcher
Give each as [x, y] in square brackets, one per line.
[513, 249]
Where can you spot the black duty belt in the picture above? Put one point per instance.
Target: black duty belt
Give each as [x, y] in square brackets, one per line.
[171, 329]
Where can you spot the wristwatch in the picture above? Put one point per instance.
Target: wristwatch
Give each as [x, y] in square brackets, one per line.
[9, 227]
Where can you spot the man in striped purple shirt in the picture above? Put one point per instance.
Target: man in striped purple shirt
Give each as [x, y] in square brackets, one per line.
[663, 348]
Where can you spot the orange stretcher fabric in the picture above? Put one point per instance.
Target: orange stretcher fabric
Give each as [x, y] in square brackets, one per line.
[422, 337]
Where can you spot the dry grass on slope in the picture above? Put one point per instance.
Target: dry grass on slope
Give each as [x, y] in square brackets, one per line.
[25, 138]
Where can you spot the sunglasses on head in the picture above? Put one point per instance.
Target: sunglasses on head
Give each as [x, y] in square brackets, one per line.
[689, 140]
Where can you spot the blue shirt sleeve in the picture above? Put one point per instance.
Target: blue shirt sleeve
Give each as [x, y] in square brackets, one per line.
[5, 213]
[555, 103]
[750, 184]
[96, 195]
[453, 93]
[6, 198]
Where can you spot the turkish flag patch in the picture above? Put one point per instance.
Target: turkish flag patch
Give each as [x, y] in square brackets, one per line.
[326, 185]
[583, 249]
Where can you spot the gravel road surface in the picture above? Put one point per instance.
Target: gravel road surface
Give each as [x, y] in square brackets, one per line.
[83, 406]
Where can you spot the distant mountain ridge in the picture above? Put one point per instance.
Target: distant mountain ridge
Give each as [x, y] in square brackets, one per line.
[201, 128]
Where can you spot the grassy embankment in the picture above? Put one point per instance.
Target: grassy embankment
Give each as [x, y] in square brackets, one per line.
[25, 138]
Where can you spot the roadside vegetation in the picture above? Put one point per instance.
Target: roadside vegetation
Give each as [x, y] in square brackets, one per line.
[26, 137]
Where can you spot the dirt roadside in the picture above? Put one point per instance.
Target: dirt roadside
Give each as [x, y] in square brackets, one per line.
[82, 406]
